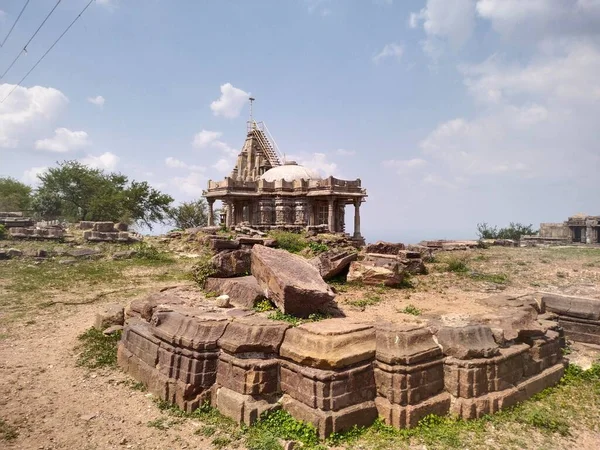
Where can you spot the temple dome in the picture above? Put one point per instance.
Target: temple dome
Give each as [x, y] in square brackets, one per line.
[290, 171]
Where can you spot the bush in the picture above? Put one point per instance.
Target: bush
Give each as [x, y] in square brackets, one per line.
[456, 265]
[203, 269]
[514, 231]
[292, 242]
[3, 232]
[317, 247]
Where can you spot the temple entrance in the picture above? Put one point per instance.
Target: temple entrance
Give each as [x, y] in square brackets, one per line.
[576, 234]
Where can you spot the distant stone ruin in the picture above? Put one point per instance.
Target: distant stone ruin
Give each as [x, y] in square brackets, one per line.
[21, 227]
[578, 229]
[106, 232]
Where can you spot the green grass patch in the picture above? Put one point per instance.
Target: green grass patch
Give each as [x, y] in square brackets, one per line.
[295, 321]
[286, 240]
[457, 265]
[263, 305]
[317, 247]
[97, 350]
[411, 309]
[368, 300]
[498, 278]
[281, 425]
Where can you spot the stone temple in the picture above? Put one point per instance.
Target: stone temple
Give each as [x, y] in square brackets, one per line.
[266, 192]
[580, 228]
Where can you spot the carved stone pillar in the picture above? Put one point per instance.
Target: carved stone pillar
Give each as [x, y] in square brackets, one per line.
[357, 218]
[300, 212]
[310, 211]
[211, 213]
[283, 211]
[265, 212]
[229, 221]
[331, 216]
[341, 217]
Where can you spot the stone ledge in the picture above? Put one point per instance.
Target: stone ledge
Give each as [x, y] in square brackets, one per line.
[408, 416]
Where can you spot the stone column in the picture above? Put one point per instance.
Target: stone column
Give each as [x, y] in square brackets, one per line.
[300, 212]
[229, 221]
[331, 216]
[589, 233]
[310, 213]
[211, 213]
[357, 218]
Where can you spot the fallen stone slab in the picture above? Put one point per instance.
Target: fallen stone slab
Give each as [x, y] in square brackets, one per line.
[143, 308]
[367, 273]
[224, 244]
[242, 291]
[329, 344]
[83, 252]
[332, 263]
[231, 263]
[290, 281]
[385, 248]
[253, 334]
[584, 308]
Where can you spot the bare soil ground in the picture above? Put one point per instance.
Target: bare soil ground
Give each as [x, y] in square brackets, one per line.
[48, 402]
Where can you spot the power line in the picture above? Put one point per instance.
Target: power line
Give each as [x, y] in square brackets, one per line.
[47, 51]
[30, 39]
[13, 27]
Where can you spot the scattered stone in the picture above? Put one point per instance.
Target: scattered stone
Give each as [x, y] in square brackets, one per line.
[222, 301]
[13, 252]
[4, 255]
[224, 244]
[126, 254]
[112, 330]
[242, 291]
[66, 262]
[83, 252]
[290, 281]
[112, 314]
[87, 417]
[231, 263]
[385, 248]
[104, 227]
[377, 270]
[332, 263]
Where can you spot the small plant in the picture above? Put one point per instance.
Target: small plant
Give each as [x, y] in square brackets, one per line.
[412, 310]
[97, 350]
[221, 442]
[206, 431]
[7, 431]
[498, 278]
[211, 294]
[280, 424]
[369, 300]
[146, 251]
[159, 424]
[263, 305]
[203, 269]
[295, 321]
[456, 265]
[292, 242]
[2, 232]
[317, 247]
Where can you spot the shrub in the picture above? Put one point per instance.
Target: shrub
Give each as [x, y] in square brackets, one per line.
[412, 310]
[456, 265]
[144, 250]
[292, 242]
[203, 269]
[514, 231]
[317, 247]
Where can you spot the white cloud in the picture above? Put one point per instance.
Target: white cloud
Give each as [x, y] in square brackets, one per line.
[98, 100]
[538, 120]
[27, 111]
[344, 152]
[64, 140]
[105, 161]
[30, 176]
[445, 21]
[175, 163]
[193, 184]
[394, 51]
[318, 162]
[539, 19]
[403, 166]
[205, 138]
[230, 103]
[223, 165]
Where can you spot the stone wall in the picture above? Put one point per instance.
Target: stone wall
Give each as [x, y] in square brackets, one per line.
[555, 230]
[336, 373]
[36, 233]
[106, 232]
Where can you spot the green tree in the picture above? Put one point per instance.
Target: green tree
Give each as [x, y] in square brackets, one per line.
[14, 195]
[75, 191]
[514, 231]
[190, 214]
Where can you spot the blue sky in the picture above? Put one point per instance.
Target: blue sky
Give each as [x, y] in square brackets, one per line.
[452, 112]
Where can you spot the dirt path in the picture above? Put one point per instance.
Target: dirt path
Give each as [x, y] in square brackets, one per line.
[57, 405]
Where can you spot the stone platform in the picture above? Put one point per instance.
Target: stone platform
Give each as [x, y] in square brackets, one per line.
[337, 373]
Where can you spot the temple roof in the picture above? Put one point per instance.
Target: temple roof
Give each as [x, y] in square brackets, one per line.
[290, 171]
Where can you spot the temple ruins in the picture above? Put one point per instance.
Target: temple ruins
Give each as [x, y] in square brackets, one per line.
[579, 228]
